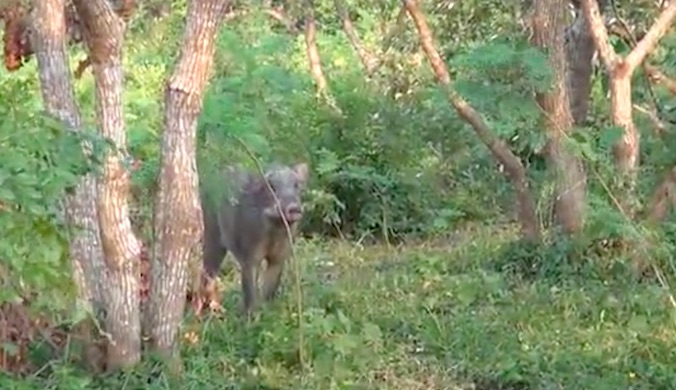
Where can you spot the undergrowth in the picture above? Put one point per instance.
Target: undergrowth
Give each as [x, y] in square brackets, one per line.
[421, 317]
[474, 310]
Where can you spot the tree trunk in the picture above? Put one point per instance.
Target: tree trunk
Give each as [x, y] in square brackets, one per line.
[103, 33]
[312, 51]
[368, 60]
[178, 219]
[580, 51]
[49, 41]
[548, 34]
[620, 70]
[626, 150]
[514, 168]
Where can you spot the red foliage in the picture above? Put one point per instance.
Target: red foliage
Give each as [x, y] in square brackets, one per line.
[18, 329]
[16, 37]
[17, 44]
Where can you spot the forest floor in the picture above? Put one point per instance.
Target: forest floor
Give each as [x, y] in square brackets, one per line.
[443, 316]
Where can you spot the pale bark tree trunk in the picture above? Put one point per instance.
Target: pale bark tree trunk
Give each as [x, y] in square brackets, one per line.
[103, 32]
[368, 60]
[49, 42]
[620, 70]
[514, 168]
[548, 34]
[178, 222]
[313, 56]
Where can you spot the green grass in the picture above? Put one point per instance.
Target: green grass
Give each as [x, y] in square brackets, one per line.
[424, 317]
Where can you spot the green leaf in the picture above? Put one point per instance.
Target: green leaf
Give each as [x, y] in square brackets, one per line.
[345, 344]
[10, 348]
[639, 324]
[372, 332]
[6, 194]
[610, 136]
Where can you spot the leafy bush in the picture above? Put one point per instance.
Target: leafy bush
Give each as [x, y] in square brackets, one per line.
[40, 162]
[391, 161]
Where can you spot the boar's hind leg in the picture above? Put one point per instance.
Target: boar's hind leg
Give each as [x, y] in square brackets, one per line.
[213, 252]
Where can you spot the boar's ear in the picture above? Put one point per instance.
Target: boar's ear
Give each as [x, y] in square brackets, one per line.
[255, 184]
[302, 172]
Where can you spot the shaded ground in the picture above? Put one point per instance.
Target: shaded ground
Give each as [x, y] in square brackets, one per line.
[425, 317]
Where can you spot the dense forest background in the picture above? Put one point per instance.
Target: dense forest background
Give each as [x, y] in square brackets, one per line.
[480, 213]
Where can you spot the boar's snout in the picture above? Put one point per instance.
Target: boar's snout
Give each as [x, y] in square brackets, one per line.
[293, 212]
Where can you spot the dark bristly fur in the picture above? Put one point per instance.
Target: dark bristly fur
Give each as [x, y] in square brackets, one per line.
[245, 221]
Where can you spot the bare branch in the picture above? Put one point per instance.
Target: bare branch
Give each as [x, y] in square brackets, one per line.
[648, 42]
[656, 76]
[427, 43]
[660, 127]
[591, 11]
[312, 50]
[81, 67]
[513, 166]
[279, 15]
[389, 37]
[369, 61]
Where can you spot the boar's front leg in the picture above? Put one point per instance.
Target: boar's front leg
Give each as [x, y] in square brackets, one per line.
[249, 286]
[272, 276]
[213, 253]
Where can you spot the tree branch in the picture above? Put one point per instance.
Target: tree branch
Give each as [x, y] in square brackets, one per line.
[427, 43]
[592, 13]
[123, 8]
[369, 61]
[514, 169]
[658, 77]
[648, 42]
[99, 19]
[314, 58]
[279, 15]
